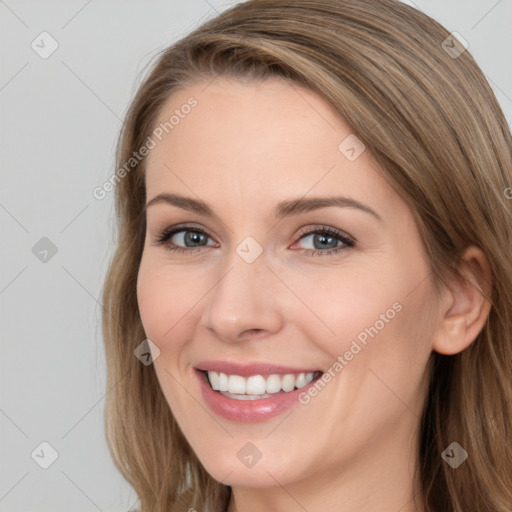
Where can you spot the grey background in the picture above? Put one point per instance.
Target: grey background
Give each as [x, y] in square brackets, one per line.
[59, 125]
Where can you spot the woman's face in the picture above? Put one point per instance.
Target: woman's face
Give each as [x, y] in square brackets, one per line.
[266, 291]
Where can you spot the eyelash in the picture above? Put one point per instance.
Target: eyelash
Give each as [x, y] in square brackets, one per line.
[347, 242]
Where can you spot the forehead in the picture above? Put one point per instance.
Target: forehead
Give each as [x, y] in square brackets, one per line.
[248, 122]
[273, 97]
[269, 140]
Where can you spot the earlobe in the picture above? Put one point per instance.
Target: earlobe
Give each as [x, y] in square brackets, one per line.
[451, 336]
[469, 306]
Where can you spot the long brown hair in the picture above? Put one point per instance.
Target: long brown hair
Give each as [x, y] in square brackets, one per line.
[429, 118]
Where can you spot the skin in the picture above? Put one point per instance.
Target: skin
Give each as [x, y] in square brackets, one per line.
[244, 148]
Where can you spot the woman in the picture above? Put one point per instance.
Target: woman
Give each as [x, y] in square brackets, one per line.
[313, 252]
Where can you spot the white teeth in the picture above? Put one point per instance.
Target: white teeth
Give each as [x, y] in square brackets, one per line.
[236, 384]
[245, 397]
[273, 384]
[288, 382]
[257, 386]
[301, 380]
[214, 380]
[223, 382]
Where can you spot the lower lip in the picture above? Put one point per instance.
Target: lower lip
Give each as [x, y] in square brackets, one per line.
[248, 411]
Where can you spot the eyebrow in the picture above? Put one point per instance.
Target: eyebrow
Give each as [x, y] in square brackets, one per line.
[283, 209]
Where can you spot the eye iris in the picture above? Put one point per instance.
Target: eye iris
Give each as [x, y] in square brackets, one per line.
[323, 238]
[194, 237]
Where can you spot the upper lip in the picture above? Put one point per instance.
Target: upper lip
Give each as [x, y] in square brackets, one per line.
[248, 369]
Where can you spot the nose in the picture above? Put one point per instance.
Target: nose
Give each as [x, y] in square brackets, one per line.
[244, 302]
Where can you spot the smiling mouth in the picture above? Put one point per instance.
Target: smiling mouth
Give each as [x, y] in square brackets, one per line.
[257, 387]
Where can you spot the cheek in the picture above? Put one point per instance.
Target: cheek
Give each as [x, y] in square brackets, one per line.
[164, 298]
[347, 303]
[149, 299]
[376, 317]
[165, 311]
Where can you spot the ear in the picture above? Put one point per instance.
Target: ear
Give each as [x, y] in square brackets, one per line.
[468, 305]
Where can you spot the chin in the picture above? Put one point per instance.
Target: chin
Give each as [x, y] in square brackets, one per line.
[239, 470]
